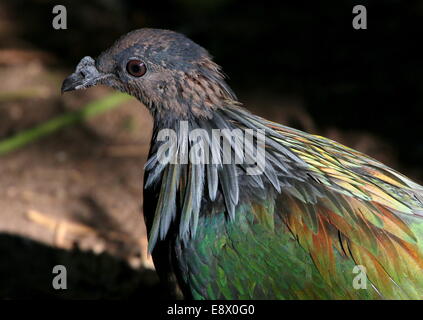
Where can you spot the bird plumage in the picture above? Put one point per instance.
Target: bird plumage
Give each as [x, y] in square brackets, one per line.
[297, 230]
[336, 209]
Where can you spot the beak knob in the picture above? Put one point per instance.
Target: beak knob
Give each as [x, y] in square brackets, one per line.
[85, 75]
[71, 82]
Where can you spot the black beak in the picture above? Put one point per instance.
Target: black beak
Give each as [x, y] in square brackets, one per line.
[71, 82]
[86, 75]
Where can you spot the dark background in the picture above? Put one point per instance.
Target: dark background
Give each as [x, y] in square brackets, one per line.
[300, 63]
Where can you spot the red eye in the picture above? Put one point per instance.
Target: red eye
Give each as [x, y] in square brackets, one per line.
[136, 68]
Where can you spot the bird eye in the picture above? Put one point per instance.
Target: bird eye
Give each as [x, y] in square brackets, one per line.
[136, 68]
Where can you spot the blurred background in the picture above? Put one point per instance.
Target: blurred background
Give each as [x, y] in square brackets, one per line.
[74, 196]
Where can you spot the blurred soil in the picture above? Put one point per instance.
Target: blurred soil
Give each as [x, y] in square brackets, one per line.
[78, 190]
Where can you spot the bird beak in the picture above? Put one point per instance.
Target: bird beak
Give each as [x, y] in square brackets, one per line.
[86, 75]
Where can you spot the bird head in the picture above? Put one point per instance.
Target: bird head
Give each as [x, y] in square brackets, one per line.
[165, 70]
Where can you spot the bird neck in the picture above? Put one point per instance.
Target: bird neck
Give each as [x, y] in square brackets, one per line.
[193, 131]
[190, 96]
[196, 161]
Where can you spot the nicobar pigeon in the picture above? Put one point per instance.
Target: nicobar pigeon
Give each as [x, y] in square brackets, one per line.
[314, 217]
